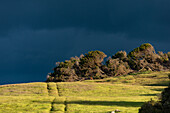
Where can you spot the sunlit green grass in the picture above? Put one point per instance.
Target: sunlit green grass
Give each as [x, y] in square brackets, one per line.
[105, 104]
[147, 79]
[126, 93]
[106, 89]
[52, 89]
[58, 105]
[26, 89]
[20, 104]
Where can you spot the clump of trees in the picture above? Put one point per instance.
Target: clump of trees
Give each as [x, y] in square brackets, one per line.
[86, 66]
[92, 65]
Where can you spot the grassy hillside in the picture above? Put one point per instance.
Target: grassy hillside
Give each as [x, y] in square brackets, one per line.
[126, 93]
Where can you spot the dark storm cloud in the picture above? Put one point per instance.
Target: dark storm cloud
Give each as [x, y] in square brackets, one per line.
[139, 19]
[34, 34]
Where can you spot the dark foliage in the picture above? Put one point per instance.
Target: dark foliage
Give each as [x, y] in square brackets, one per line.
[151, 107]
[79, 68]
[90, 65]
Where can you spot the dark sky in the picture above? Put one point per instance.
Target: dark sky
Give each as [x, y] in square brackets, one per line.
[34, 34]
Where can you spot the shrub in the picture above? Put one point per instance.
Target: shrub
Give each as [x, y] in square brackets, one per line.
[151, 107]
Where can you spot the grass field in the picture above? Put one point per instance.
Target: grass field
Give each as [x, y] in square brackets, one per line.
[126, 93]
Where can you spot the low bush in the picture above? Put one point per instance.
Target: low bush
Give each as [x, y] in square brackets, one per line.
[151, 107]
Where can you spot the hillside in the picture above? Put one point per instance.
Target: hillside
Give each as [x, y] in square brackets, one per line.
[126, 93]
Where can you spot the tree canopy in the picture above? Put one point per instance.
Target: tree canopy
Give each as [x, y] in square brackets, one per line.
[92, 65]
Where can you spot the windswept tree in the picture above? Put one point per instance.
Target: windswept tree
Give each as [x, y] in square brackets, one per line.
[145, 58]
[117, 65]
[91, 63]
[65, 71]
[92, 59]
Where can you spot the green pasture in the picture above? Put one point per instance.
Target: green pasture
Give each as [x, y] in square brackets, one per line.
[126, 93]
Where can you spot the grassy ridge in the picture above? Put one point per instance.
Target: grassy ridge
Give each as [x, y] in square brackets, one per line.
[126, 93]
[26, 89]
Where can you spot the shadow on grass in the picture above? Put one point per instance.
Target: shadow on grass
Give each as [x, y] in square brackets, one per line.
[148, 94]
[103, 103]
[157, 89]
[108, 103]
[163, 83]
